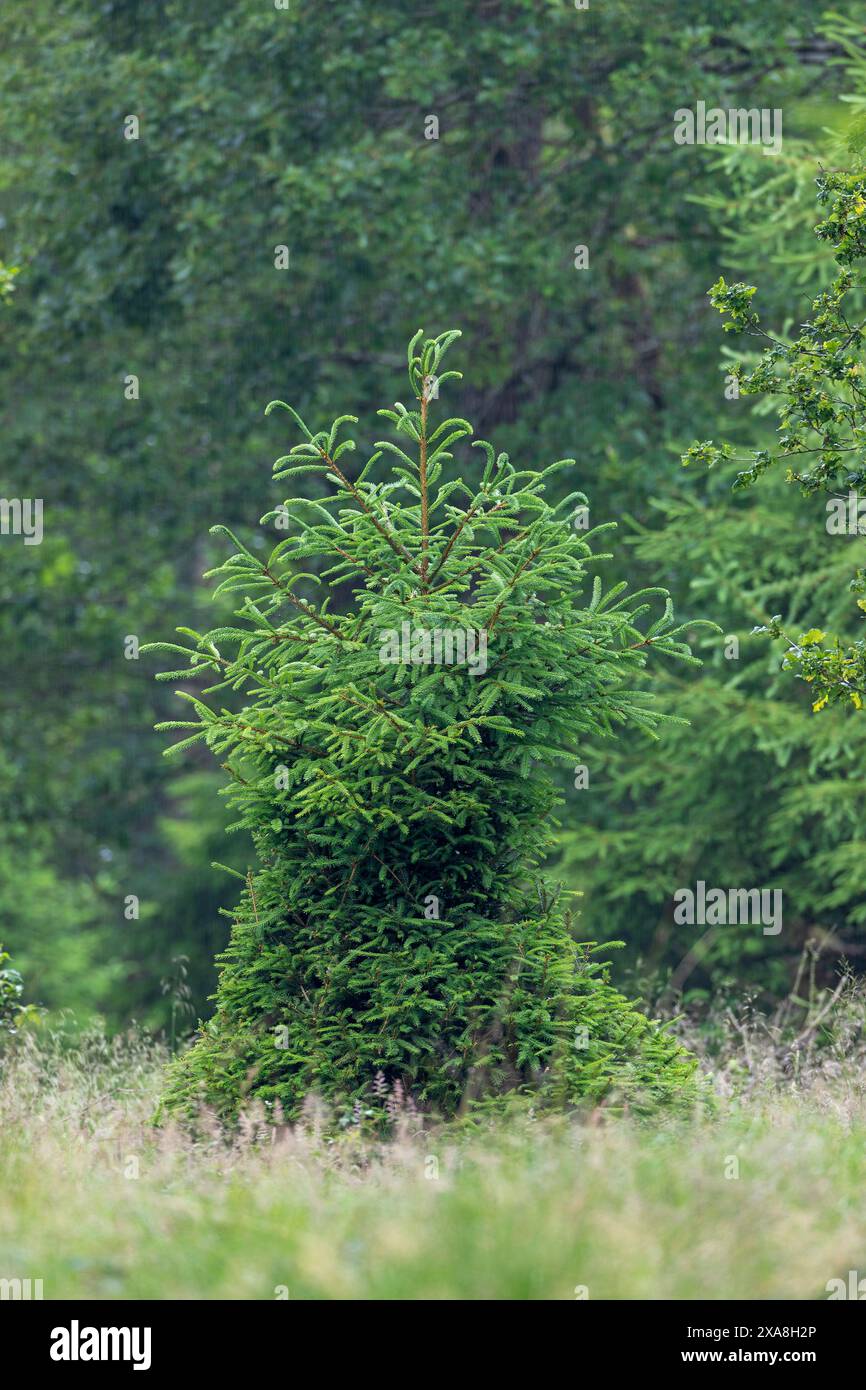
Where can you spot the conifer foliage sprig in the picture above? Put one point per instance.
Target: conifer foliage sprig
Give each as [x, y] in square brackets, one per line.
[401, 805]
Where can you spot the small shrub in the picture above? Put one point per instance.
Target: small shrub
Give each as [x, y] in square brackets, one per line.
[13, 1014]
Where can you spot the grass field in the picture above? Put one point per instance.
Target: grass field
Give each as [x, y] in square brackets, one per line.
[98, 1204]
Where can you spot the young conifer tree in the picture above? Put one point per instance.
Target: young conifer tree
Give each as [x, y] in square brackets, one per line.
[394, 764]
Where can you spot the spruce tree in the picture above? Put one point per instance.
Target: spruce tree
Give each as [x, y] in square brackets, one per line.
[393, 760]
[754, 790]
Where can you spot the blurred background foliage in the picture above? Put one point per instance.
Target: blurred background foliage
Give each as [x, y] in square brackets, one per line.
[306, 127]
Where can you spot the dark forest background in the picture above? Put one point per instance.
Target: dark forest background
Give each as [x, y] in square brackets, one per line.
[155, 257]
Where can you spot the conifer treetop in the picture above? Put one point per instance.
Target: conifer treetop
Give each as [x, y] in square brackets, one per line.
[423, 540]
